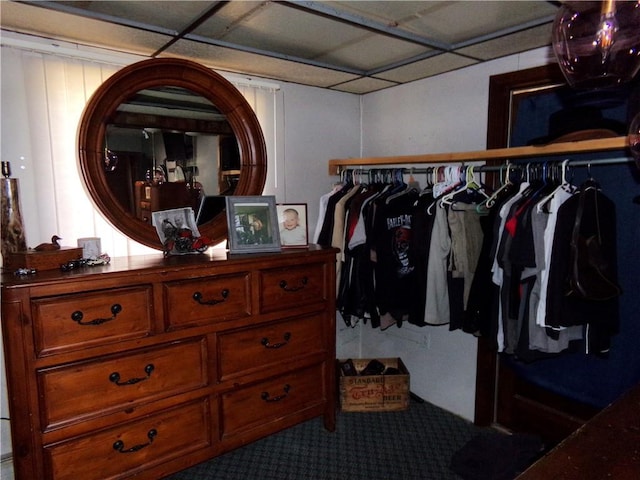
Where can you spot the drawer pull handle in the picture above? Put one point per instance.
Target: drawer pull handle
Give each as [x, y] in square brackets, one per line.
[267, 344]
[268, 398]
[77, 316]
[197, 296]
[115, 377]
[287, 288]
[119, 445]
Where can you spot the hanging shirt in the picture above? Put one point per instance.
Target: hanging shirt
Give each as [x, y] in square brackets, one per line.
[422, 226]
[496, 269]
[540, 339]
[437, 297]
[466, 243]
[322, 211]
[479, 316]
[562, 309]
[394, 268]
[555, 203]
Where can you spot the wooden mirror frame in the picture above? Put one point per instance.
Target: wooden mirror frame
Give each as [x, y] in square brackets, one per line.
[101, 109]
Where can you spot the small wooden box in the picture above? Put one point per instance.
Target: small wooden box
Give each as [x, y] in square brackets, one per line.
[46, 260]
[375, 393]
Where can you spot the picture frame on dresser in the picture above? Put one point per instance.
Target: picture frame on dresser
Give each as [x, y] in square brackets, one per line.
[293, 225]
[252, 223]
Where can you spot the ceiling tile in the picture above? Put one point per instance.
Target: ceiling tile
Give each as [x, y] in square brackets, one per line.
[281, 29]
[227, 17]
[168, 14]
[363, 85]
[426, 68]
[47, 23]
[510, 44]
[393, 12]
[314, 43]
[372, 52]
[257, 65]
[454, 22]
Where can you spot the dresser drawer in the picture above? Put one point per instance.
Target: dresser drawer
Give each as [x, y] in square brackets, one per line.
[290, 287]
[133, 447]
[265, 402]
[208, 299]
[268, 346]
[78, 321]
[80, 390]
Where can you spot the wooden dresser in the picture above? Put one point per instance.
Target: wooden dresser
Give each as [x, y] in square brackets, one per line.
[149, 365]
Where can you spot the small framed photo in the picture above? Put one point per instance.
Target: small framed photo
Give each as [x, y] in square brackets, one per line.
[252, 224]
[292, 223]
[177, 231]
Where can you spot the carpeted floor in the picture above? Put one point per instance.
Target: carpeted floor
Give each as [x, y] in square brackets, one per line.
[416, 444]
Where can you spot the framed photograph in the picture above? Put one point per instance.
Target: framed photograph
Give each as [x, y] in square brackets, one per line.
[177, 231]
[292, 223]
[252, 224]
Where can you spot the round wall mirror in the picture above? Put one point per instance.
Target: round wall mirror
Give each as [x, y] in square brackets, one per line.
[169, 133]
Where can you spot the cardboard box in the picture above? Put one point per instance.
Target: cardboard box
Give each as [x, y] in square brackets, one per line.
[374, 393]
[46, 260]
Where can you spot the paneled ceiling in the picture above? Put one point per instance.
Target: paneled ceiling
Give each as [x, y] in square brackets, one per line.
[352, 46]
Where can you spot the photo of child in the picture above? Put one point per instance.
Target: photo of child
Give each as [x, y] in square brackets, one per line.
[292, 220]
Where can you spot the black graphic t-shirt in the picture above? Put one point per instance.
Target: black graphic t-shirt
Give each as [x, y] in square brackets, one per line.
[395, 268]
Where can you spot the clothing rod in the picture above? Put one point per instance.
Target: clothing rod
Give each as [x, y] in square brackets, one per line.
[595, 163]
[496, 168]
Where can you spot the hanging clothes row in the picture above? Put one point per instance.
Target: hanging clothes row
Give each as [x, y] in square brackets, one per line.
[548, 237]
[385, 239]
[454, 253]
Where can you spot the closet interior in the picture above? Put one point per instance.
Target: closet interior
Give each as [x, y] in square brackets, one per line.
[477, 191]
[552, 354]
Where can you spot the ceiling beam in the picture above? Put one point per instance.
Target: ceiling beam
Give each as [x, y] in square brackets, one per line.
[206, 15]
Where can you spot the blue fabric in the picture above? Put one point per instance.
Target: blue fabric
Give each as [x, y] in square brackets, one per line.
[588, 379]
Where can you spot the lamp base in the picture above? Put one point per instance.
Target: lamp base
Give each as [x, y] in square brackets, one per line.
[12, 230]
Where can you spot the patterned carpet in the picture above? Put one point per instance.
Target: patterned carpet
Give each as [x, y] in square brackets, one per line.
[414, 444]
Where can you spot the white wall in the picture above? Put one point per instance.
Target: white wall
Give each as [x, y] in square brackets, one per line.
[318, 124]
[445, 113]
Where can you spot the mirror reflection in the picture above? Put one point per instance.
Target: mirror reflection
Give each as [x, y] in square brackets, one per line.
[168, 147]
[138, 118]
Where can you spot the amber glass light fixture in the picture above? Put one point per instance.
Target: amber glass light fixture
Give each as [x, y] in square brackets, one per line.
[597, 44]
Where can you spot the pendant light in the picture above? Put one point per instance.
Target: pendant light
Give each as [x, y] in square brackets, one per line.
[597, 44]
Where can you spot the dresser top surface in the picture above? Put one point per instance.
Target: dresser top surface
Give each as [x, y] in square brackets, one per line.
[159, 262]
